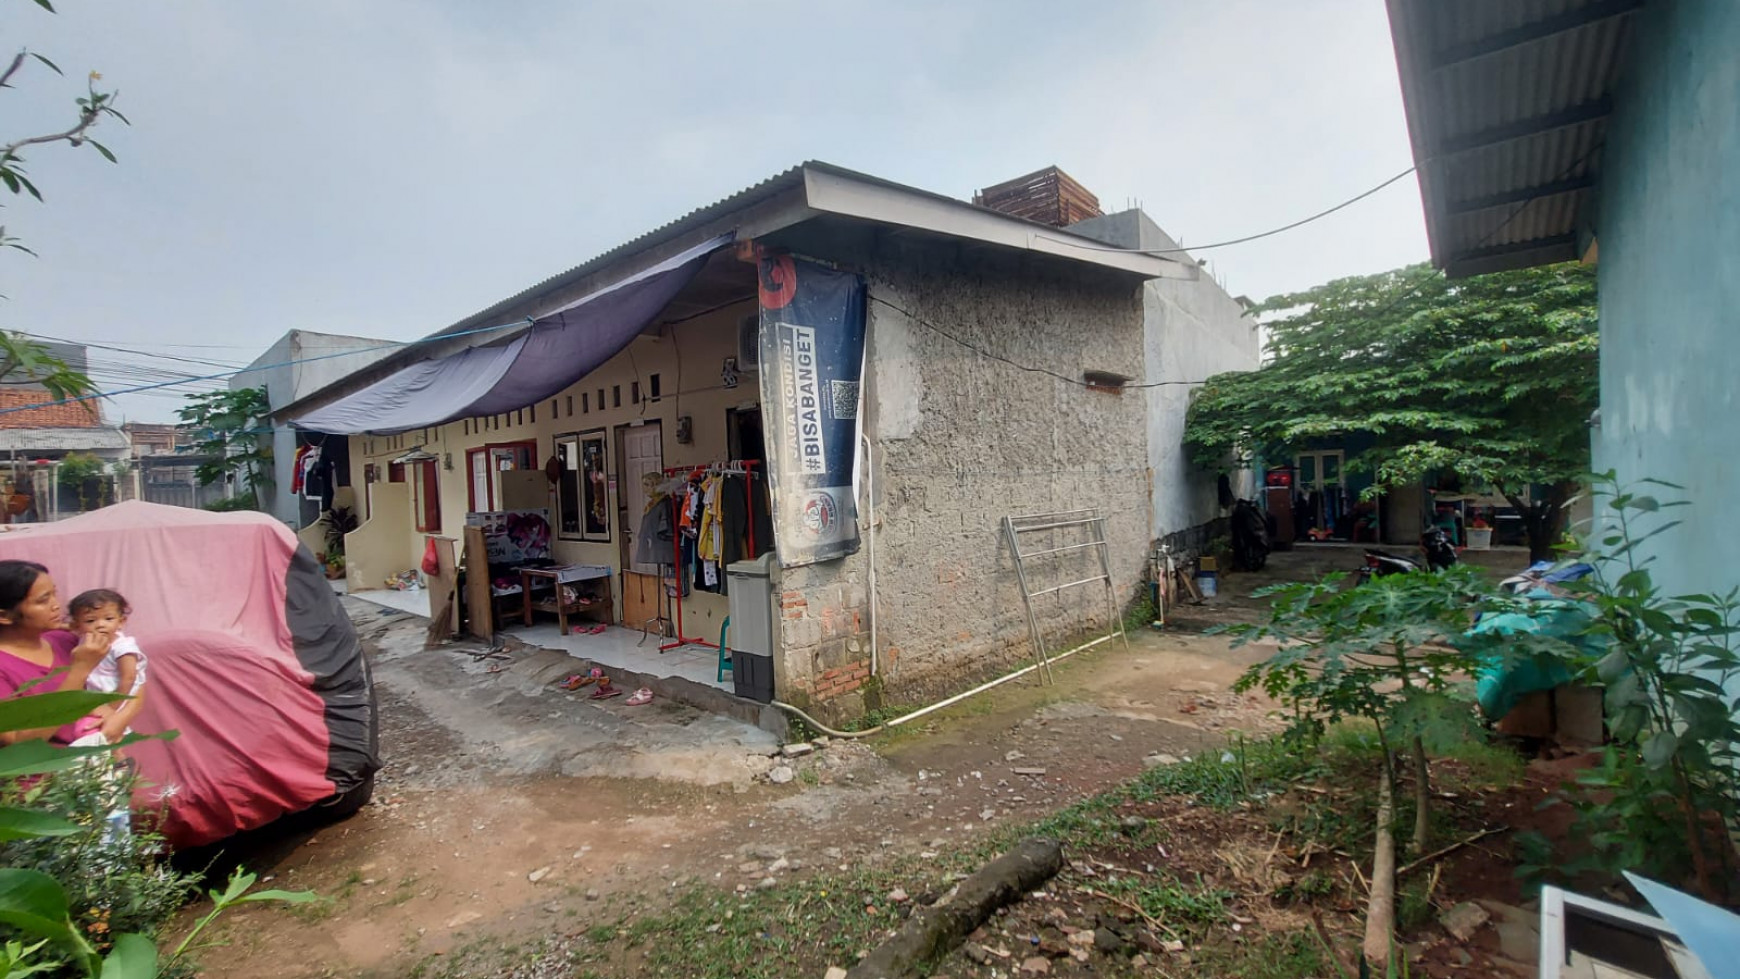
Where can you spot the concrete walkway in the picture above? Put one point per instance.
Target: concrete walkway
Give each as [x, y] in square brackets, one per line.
[504, 705]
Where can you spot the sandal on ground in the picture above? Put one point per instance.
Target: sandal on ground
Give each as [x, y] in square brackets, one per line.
[574, 682]
[641, 696]
[605, 691]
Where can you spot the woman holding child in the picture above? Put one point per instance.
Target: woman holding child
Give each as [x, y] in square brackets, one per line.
[39, 655]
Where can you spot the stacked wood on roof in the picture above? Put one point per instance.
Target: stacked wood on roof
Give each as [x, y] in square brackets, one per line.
[1048, 196]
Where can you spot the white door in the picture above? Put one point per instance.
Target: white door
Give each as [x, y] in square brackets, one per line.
[642, 453]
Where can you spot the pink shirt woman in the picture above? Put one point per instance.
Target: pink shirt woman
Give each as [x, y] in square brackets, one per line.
[37, 654]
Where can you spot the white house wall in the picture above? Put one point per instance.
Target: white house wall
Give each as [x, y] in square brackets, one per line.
[286, 378]
[1192, 330]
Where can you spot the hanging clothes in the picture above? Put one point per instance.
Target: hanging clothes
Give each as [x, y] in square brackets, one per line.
[297, 469]
[734, 506]
[317, 478]
[708, 575]
[760, 514]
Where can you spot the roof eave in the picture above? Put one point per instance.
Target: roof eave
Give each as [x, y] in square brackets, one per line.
[750, 219]
[810, 190]
[836, 190]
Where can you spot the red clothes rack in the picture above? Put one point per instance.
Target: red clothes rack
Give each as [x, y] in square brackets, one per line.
[744, 468]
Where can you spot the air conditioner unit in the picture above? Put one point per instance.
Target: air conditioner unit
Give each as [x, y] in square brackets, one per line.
[749, 342]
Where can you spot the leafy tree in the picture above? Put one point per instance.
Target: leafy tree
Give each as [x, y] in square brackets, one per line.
[1492, 377]
[84, 477]
[1392, 652]
[227, 427]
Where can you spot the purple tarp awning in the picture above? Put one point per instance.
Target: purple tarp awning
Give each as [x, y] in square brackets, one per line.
[554, 352]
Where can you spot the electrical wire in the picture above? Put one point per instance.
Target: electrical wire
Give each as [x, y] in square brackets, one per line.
[263, 367]
[128, 350]
[1079, 382]
[1515, 212]
[1232, 241]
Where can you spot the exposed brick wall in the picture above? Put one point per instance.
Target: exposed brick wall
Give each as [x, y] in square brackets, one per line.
[959, 441]
[75, 414]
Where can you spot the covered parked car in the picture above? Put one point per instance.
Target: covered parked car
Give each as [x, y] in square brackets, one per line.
[251, 659]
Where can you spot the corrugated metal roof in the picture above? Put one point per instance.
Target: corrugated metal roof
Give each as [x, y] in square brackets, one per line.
[792, 180]
[62, 439]
[1507, 104]
[753, 194]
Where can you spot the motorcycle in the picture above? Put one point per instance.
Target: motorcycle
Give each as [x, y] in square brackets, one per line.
[1434, 543]
[1250, 537]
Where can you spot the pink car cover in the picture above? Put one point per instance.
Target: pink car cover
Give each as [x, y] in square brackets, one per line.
[251, 659]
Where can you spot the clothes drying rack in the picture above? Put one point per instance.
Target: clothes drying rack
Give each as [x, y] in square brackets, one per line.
[737, 467]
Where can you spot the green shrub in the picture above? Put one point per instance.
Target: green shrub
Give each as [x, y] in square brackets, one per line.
[241, 501]
[67, 883]
[1666, 797]
[115, 882]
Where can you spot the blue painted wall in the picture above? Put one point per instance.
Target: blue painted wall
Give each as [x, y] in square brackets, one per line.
[1668, 228]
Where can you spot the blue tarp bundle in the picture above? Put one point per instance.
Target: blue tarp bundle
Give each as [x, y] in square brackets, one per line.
[1504, 681]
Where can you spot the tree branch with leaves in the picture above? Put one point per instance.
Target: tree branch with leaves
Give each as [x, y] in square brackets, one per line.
[20, 357]
[93, 107]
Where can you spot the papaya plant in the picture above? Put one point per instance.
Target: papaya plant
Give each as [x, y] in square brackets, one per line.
[1391, 651]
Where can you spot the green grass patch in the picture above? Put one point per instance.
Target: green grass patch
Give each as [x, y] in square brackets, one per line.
[1295, 955]
[797, 928]
[1171, 900]
[1488, 763]
[1222, 778]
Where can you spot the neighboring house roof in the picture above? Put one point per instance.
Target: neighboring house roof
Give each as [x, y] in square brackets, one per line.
[809, 191]
[1507, 104]
[73, 414]
[62, 439]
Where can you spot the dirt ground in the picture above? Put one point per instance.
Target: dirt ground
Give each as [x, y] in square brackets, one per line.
[506, 811]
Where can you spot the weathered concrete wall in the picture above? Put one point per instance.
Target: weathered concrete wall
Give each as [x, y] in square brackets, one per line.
[1192, 331]
[960, 440]
[1668, 233]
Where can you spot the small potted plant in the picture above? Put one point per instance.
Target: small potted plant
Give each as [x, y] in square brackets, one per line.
[339, 521]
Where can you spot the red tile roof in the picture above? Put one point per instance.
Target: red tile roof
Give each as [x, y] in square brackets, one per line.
[75, 414]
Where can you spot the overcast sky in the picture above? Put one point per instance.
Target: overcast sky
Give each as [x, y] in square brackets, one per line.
[388, 167]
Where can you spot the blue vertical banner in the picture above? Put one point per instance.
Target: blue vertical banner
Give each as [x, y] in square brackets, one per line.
[812, 362]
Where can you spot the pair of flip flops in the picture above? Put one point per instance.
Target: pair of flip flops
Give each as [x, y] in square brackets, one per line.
[596, 629]
[577, 680]
[639, 698]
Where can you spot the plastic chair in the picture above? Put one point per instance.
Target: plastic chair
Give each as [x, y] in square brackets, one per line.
[724, 650]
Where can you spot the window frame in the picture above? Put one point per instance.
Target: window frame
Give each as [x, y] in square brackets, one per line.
[492, 481]
[598, 440]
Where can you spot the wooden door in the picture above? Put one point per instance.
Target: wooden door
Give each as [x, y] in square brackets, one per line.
[642, 453]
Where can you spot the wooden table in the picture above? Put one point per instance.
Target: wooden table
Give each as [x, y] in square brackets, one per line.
[573, 574]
